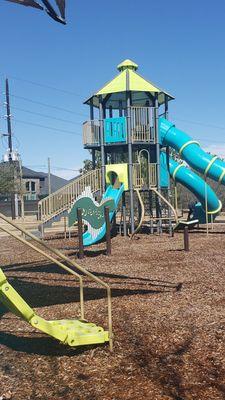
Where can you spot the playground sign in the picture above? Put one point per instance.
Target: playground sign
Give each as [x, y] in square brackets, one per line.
[92, 211]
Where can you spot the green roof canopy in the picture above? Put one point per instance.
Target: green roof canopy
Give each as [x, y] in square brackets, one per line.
[114, 92]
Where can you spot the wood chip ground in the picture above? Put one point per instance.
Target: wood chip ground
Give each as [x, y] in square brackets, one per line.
[168, 319]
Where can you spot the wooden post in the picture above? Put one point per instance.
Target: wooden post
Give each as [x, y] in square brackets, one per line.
[80, 233]
[108, 234]
[65, 230]
[124, 222]
[186, 238]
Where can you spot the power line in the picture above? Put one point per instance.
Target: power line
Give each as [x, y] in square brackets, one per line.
[46, 116]
[48, 127]
[53, 167]
[48, 105]
[201, 123]
[43, 85]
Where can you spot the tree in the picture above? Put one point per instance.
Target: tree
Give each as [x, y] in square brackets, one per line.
[9, 181]
[88, 165]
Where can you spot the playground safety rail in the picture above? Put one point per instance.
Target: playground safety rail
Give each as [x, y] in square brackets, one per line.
[63, 266]
[141, 125]
[141, 128]
[62, 199]
[91, 133]
[148, 178]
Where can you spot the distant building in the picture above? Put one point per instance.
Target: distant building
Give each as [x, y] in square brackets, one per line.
[34, 184]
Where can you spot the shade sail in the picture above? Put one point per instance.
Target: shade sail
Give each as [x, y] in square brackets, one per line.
[58, 16]
[30, 3]
[61, 5]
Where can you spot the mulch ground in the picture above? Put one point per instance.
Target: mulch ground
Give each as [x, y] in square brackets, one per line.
[168, 319]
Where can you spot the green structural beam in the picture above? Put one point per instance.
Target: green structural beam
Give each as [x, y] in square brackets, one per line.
[69, 332]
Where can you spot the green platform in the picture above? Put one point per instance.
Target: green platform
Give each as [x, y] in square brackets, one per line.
[69, 332]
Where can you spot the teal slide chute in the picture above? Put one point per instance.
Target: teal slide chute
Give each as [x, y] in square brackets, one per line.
[92, 236]
[208, 165]
[197, 186]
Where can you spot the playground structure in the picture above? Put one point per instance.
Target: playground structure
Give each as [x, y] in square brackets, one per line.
[132, 138]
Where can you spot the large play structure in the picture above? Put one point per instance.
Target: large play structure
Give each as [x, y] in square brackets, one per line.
[130, 140]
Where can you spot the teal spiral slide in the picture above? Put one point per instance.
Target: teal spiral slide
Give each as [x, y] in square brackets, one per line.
[208, 165]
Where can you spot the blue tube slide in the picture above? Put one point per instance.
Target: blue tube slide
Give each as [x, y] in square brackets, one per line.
[199, 160]
[196, 185]
[92, 236]
[191, 152]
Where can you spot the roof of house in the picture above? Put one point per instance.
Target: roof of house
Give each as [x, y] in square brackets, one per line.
[56, 181]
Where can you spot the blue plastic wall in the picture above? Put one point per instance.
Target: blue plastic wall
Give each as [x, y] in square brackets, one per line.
[164, 175]
[115, 130]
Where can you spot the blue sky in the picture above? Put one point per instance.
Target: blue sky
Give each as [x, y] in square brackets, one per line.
[179, 45]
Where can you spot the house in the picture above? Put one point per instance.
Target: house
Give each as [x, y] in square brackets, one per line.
[35, 183]
[34, 187]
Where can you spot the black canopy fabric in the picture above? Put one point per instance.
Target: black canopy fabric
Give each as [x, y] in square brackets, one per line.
[62, 6]
[48, 7]
[30, 3]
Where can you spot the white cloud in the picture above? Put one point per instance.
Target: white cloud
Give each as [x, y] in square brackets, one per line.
[64, 173]
[216, 149]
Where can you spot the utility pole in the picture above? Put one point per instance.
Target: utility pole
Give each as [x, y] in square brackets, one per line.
[9, 126]
[49, 177]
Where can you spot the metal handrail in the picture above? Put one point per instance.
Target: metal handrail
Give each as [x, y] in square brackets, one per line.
[63, 198]
[61, 265]
[139, 180]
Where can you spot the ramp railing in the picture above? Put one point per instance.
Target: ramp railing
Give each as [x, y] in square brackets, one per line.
[62, 265]
[62, 199]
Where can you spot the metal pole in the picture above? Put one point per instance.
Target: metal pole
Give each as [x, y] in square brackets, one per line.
[108, 234]
[186, 238]
[124, 214]
[49, 177]
[130, 158]
[8, 120]
[80, 233]
[156, 125]
[101, 121]
[9, 126]
[212, 222]
[169, 189]
[93, 159]
[168, 168]
[175, 195]
[166, 107]
[91, 110]
[21, 188]
[206, 208]
[120, 108]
